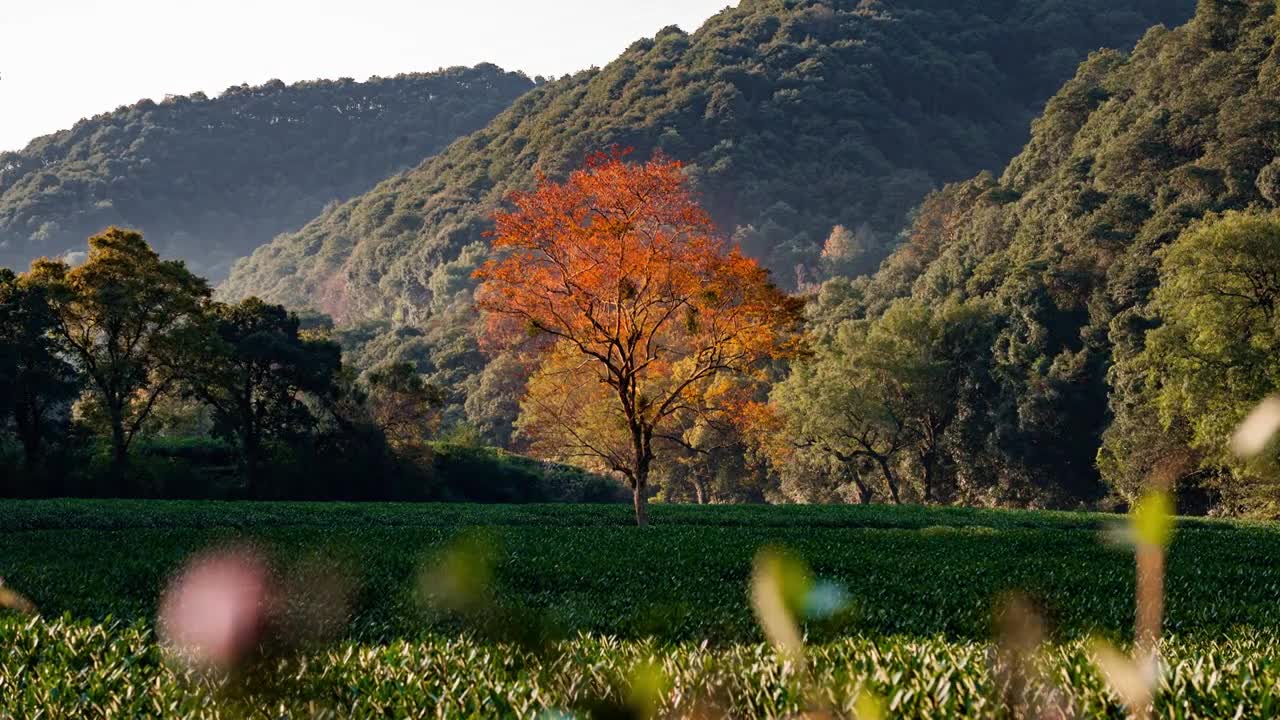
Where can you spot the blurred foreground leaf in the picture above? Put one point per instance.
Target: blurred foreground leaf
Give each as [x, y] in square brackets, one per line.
[10, 600]
[1152, 519]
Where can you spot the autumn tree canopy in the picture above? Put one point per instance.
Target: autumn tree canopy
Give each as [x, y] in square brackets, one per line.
[621, 269]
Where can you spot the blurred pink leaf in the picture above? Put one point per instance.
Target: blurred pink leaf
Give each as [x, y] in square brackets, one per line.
[214, 611]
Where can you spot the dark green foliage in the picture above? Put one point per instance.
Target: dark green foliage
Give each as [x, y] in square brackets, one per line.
[197, 468]
[36, 383]
[404, 405]
[1201, 372]
[1063, 247]
[355, 465]
[253, 368]
[923, 583]
[209, 180]
[793, 117]
[481, 474]
[911, 571]
[443, 350]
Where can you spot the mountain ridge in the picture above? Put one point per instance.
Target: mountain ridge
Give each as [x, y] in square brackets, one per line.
[860, 104]
[209, 179]
[1064, 247]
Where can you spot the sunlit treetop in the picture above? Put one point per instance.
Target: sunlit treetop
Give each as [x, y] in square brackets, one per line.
[622, 262]
[620, 266]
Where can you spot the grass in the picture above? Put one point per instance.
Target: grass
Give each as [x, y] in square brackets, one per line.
[921, 583]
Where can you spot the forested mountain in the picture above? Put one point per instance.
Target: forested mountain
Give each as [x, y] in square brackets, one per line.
[209, 180]
[1060, 261]
[794, 117]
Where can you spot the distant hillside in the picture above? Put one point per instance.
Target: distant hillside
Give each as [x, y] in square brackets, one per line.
[794, 117]
[209, 180]
[1063, 246]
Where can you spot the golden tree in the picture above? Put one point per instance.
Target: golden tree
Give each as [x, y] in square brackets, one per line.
[624, 271]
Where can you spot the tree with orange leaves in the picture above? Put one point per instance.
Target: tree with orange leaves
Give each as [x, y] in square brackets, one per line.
[622, 270]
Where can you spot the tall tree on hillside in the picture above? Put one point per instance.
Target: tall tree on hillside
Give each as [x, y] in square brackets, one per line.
[624, 270]
[1215, 356]
[252, 365]
[115, 315]
[34, 379]
[917, 359]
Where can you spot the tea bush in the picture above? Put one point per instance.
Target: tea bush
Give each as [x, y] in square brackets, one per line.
[587, 598]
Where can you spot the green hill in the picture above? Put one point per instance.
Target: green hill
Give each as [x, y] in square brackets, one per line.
[794, 117]
[208, 180]
[1062, 248]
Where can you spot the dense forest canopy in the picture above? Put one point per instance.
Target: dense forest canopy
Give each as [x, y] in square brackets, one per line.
[210, 179]
[809, 130]
[794, 117]
[121, 377]
[1070, 260]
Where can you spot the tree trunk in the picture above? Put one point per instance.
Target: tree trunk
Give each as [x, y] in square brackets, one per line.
[641, 504]
[641, 437]
[865, 494]
[251, 449]
[889, 480]
[927, 463]
[27, 418]
[699, 490]
[119, 455]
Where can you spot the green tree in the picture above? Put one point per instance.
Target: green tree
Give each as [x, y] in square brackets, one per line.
[115, 315]
[253, 366]
[1217, 351]
[889, 393]
[1140, 449]
[830, 410]
[404, 405]
[914, 379]
[35, 381]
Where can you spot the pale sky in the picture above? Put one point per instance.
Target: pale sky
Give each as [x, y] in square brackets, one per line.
[61, 60]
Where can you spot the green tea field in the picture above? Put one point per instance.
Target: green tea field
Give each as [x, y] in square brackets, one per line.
[573, 612]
